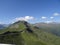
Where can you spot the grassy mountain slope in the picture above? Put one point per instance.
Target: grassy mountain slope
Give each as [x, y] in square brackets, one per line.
[23, 33]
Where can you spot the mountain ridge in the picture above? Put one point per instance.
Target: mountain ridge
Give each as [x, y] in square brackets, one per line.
[23, 33]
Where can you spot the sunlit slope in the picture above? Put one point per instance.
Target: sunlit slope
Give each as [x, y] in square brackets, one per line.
[23, 33]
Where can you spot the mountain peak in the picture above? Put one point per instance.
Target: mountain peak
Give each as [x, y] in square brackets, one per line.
[20, 22]
[21, 25]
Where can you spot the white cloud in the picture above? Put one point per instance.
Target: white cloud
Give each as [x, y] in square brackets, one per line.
[29, 18]
[43, 17]
[26, 18]
[1, 22]
[48, 21]
[56, 14]
[51, 17]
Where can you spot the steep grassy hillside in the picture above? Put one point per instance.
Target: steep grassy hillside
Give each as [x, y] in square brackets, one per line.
[23, 33]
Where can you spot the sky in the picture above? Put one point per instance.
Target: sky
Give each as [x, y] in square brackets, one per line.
[29, 10]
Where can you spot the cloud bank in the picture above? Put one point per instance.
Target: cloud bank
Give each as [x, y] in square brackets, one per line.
[48, 21]
[43, 17]
[1, 23]
[56, 14]
[25, 18]
[51, 17]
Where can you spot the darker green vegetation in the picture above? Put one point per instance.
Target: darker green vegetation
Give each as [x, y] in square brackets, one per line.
[23, 33]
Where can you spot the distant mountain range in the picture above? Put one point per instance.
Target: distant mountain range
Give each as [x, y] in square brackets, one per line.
[2, 26]
[50, 27]
[24, 33]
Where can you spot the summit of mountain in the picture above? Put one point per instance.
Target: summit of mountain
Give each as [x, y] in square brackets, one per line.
[24, 33]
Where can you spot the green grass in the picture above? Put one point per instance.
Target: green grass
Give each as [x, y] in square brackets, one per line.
[37, 37]
[31, 39]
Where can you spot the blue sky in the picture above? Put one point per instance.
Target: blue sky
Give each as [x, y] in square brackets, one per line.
[41, 10]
